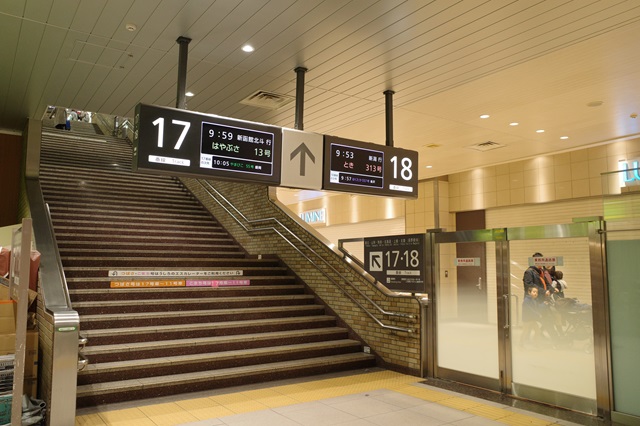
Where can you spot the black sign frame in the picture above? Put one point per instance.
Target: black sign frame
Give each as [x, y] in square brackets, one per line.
[177, 142]
[368, 168]
[397, 261]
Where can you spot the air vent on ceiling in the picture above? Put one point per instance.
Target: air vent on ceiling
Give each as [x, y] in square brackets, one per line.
[486, 146]
[268, 100]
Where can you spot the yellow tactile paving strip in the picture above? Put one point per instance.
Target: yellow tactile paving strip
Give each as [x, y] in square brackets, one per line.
[221, 405]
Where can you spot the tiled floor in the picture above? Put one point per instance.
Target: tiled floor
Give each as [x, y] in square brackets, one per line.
[373, 397]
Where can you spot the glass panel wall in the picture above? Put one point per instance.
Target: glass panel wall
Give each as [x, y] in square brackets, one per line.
[622, 215]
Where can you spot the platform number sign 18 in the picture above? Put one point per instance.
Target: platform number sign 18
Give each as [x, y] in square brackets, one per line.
[361, 167]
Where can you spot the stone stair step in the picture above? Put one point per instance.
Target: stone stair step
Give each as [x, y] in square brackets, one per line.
[188, 363]
[148, 319]
[124, 351]
[167, 305]
[191, 330]
[125, 390]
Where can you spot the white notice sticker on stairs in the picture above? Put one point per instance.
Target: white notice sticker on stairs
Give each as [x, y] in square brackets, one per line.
[133, 273]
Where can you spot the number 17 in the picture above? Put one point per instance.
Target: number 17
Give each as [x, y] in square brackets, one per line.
[160, 123]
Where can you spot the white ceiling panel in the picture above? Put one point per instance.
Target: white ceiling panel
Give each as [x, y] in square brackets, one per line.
[536, 62]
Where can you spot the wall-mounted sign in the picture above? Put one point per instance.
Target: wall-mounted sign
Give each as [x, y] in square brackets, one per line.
[629, 173]
[546, 261]
[367, 168]
[184, 143]
[467, 261]
[397, 261]
[314, 216]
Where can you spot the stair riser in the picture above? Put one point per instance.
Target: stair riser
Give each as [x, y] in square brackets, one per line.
[248, 269]
[140, 353]
[162, 320]
[251, 291]
[98, 399]
[158, 264]
[174, 253]
[213, 304]
[178, 368]
[195, 333]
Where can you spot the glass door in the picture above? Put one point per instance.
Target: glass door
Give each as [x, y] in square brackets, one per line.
[488, 334]
[467, 347]
[552, 333]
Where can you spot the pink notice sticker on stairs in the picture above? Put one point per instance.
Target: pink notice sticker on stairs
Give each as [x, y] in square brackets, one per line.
[217, 283]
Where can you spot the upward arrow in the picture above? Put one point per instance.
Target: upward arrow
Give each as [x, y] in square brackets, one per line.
[303, 151]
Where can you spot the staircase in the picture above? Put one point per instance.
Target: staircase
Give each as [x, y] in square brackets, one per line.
[131, 244]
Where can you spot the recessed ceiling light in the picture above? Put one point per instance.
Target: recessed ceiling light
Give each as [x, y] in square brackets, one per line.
[248, 48]
[540, 131]
[131, 27]
[428, 167]
[189, 94]
[564, 137]
[514, 124]
[485, 116]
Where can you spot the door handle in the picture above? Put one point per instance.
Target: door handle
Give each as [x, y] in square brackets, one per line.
[507, 310]
[479, 285]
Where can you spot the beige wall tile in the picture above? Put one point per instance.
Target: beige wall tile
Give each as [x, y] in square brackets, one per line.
[532, 194]
[503, 198]
[531, 177]
[454, 204]
[579, 156]
[563, 190]
[547, 192]
[561, 159]
[502, 182]
[595, 186]
[502, 169]
[547, 175]
[517, 196]
[518, 166]
[597, 166]
[465, 188]
[489, 184]
[597, 152]
[490, 199]
[580, 188]
[580, 170]
[516, 180]
[562, 173]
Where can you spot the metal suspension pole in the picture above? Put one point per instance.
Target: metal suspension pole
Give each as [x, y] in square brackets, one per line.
[388, 103]
[181, 100]
[300, 71]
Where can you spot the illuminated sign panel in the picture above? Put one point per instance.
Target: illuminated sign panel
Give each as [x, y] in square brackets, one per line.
[184, 143]
[367, 168]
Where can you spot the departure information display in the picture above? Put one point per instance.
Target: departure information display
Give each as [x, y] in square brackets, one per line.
[184, 143]
[361, 167]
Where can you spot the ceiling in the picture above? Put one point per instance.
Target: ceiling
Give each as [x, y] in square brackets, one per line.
[539, 63]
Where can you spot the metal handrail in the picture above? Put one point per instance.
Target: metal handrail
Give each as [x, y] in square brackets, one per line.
[55, 298]
[273, 229]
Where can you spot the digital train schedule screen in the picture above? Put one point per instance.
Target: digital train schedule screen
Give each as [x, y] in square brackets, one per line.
[356, 166]
[368, 168]
[236, 149]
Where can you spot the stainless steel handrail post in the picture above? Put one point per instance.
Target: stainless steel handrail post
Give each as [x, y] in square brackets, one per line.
[56, 301]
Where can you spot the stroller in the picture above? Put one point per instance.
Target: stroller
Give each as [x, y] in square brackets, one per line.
[575, 322]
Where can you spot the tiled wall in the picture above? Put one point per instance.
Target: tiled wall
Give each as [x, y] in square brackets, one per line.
[567, 176]
[397, 349]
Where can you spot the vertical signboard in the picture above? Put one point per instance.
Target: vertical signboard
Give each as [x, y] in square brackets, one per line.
[397, 261]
